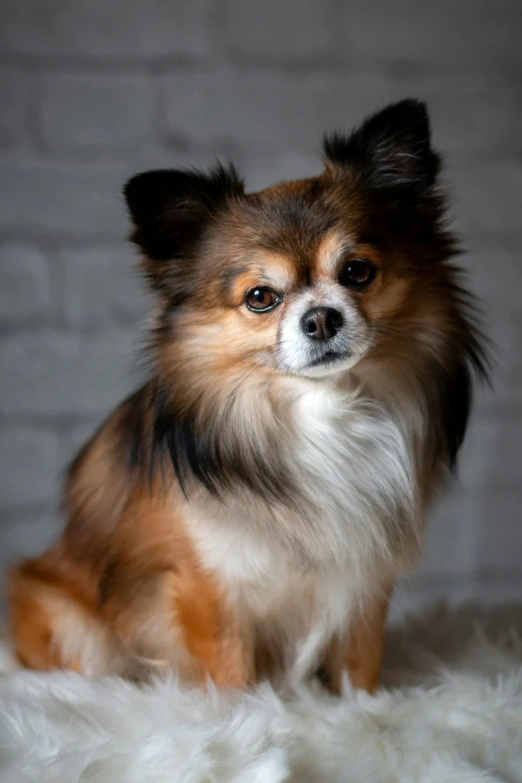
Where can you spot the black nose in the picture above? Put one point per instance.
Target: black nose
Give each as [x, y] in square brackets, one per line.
[321, 323]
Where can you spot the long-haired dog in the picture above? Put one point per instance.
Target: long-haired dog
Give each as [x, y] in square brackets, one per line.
[246, 512]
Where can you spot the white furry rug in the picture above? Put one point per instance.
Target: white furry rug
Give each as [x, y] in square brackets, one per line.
[451, 713]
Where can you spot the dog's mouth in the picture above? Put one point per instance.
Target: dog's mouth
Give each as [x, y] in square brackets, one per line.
[330, 357]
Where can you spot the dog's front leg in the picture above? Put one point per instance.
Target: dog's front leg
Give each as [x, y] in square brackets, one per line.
[360, 651]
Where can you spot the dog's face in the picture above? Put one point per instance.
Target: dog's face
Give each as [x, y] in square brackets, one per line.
[304, 309]
[305, 278]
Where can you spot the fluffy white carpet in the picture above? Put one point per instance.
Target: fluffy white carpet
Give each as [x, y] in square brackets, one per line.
[451, 713]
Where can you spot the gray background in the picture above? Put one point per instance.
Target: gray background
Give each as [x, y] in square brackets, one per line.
[92, 91]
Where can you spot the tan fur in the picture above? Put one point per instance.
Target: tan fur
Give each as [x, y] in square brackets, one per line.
[154, 609]
[360, 653]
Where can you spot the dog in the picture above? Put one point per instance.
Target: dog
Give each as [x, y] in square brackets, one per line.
[245, 514]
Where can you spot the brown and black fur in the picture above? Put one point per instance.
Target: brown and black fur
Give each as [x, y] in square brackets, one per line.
[125, 573]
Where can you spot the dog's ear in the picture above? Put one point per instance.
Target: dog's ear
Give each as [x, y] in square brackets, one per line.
[170, 210]
[390, 152]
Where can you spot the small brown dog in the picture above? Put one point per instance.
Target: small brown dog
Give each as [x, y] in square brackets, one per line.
[246, 512]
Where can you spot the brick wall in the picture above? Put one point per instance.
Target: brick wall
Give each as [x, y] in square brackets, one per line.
[94, 90]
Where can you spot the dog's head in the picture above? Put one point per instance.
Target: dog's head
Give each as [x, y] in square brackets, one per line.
[305, 277]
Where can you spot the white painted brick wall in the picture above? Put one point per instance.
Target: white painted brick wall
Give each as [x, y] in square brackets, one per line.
[114, 29]
[100, 114]
[62, 196]
[29, 474]
[291, 31]
[92, 92]
[99, 287]
[15, 100]
[26, 293]
[56, 372]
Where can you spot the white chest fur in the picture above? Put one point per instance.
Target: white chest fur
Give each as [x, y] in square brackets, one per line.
[302, 568]
[354, 461]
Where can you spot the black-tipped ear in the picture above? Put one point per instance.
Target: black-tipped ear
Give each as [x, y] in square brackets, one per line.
[390, 150]
[169, 208]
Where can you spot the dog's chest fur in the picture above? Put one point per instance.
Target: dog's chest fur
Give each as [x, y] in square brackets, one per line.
[295, 571]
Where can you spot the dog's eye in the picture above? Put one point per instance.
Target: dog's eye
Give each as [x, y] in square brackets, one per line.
[357, 273]
[261, 299]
